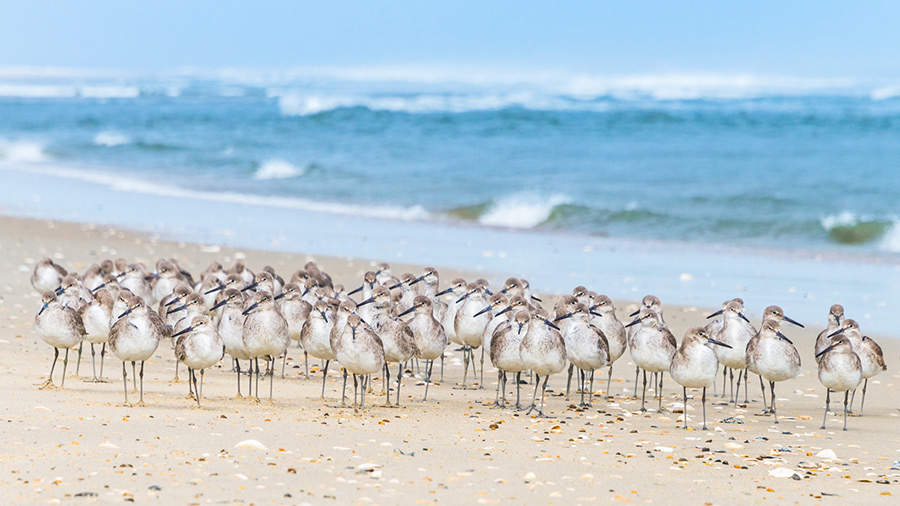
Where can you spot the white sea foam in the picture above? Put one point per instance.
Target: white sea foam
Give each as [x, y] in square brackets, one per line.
[278, 169]
[885, 93]
[522, 210]
[842, 219]
[37, 90]
[111, 139]
[891, 240]
[21, 151]
[110, 91]
[117, 182]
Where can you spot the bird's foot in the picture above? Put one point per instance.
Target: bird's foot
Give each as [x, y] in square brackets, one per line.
[47, 385]
[140, 404]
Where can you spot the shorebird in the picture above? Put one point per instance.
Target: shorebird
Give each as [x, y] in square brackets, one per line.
[398, 342]
[770, 313]
[835, 318]
[367, 288]
[322, 278]
[199, 346]
[457, 289]
[317, 332]
[295, 311]
[265, 334]
[135, 279]
[134, 338]
[470, 328]
[47, 275]
[647, 302]
[870, 356]
[428, 333]
[736, 331]
[407, 292]
[240, 268]
[500, 312]
[504, 352]
[586, 347]
[543, 352]
[96, 316]
[612, 329]
[652, 348]
[193, 305]
[215, 270]
[695, 364]
[72, 292]
[383, 275]
[167, 277]
[360, 351]
[231, 329]
[60, 327]
[175, 299]
[92, 278]
[840, 370]
[775, 357]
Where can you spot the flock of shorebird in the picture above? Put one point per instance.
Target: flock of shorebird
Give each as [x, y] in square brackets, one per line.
[399, 320]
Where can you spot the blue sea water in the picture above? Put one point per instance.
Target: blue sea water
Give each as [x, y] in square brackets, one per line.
[690, 191]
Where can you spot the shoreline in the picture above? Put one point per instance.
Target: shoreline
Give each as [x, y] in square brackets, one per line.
[313, 451]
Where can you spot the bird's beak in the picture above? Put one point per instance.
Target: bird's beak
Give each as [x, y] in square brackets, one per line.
[632, 315]
[177, 309]
[151, 276]
[355, 291]
[176, 300]
[444, 292]
[485, 310]
[596, 314]
[520, 328]
[506, 310]
[214, 290]
[395, 285]
[119, 275]
[279, 296]
[182, 331]
[488, 291]
[789, 320]
[633, 322]
[127, 311]
[367, 301]
[720, 343]
[410, 310]
[563, 317]
[535, 298]
[836, 332]
[551, 324]
[43, 307]
[464, 297]
[218, 304]
[743, 317]
[251, 286]
[420, 278]
[782, 336]
[717, 313]
[251, 308]
[101, 285]
[324, 316]
[838, 319]
[826, 350]
[60, 291]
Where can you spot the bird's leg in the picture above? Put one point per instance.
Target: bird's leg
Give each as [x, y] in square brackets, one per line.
[518, 385]
[684, 409]
[827, 397]
[343, 390]
[659, 407]
[863, 401]
[306, 361]
[846, 393]
[141, 376]
[134, 376]
[738, 391]
[637, 374]
[65, 363]
[237, 364]
[481, 383]
[724, 380]
[569, 380]
[78, 364]
[644, 394]
[591, 391]
[270, 363]
[93, 363]
[762, 388]
[256, 362]
[543, 391]
[283, 364]
[355, 389]
[429, 365]
[609, 383]
[746, 385]
[731, 382]
[774, 413]
[704, 408]
[534, 395]
[102, 356]
[324, 377]
[386, 374]
[125, 382]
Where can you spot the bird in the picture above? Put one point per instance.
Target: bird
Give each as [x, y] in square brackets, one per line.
[134, 278]
[47, 275]
[429, 334]
[736, 331]
[167, 277]
[652, 348]
[265, 334]
[295, 311]
[586, 347]
[543, 351]
[96, 316]
[695, 364]
[647, 302]
[834, 318]
[869, 352]
[470, 328]
[457, 289]
[773, 313]
[612, 329]
[173, 300]
[360, 351]
[398, 342]
[231, 330]
[60, 327]
[134, 337]
[199, 346]
[315, 337]
[775, 357]
[193, 305]
[504, 351]
[840, 370]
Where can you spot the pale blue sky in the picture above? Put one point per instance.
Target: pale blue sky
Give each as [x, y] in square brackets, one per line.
[783, 38]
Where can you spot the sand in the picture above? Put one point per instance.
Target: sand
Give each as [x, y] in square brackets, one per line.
[80, 445]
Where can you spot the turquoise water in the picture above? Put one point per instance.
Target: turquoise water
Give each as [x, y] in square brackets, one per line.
[816, 169]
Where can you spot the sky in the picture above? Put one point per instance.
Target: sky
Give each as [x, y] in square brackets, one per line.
[776, 38]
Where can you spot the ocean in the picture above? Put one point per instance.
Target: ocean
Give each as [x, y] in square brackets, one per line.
[782, 168]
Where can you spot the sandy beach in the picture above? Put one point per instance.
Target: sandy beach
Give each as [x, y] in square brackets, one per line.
[80, 445]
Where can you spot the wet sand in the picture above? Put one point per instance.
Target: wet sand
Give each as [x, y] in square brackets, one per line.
[80, 445]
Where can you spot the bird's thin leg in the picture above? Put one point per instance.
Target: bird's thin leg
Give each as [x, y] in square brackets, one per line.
[644, 394]
[704, 408]
[343, 390]
[134, 375]
[237, 364]
[102, 356]
[125, 381]
[78, 364]
[386, 374]
[569, 380]
[738, 391]
[534, 395]
[481, 383]
[270, 363]
[591, 391]
[846, 393]
[774, 412]
[518, 385]
[609, 383]
[141, 401]
[684, 409]
[93, 363]
[863, 401]
[827, 396]
[762, 388]
[637, 374]
[429, 365]
[324, 377]
[659, 407]
[746, 385]
[65, 363]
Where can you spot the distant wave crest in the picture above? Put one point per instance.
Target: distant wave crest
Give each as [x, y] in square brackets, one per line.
[849, 228]
[22, 151]
[111, 139]
[520, 210]
[278, 169]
